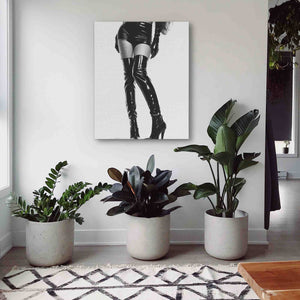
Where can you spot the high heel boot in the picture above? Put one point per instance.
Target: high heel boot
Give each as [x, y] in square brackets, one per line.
[144, 83]
[130, 97]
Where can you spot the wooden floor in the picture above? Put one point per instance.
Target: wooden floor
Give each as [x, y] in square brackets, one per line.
[284, 237]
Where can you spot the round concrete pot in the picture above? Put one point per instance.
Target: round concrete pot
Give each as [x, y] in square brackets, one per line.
[148, 238]
[226, 238]
[49, 244]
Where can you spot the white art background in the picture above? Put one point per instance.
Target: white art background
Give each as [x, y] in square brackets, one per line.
[168, 71]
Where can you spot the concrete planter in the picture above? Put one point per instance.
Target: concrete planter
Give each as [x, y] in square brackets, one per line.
[148, 238]
[226, 238]
[49, 244]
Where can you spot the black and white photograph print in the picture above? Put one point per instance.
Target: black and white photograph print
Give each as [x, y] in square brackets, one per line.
[141, 80]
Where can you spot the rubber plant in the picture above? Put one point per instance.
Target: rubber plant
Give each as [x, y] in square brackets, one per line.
[227, 140]
[47, 208]
[142, 194]
[283, 31]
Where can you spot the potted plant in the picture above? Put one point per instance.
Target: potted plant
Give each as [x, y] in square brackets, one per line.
[283, 31]
[50, 226]
[226, 228]
[143, 198]
[286, 148]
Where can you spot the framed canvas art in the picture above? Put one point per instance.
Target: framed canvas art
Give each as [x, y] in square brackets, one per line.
[141, 80]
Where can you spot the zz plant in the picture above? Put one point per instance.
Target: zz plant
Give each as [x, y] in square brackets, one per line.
[227, 140]
[142, 194]
[47, 208]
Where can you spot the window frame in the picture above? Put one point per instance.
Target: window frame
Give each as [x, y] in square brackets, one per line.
[295, 117]
[5, 191]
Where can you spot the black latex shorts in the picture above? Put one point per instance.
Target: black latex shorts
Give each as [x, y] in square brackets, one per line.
[136, 33]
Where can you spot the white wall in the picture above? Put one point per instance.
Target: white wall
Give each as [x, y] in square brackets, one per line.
[54, 101]
[5, 126]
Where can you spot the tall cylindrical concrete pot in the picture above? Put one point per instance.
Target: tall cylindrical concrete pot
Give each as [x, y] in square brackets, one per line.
[148, 238]
[226, 238]
[49, 244]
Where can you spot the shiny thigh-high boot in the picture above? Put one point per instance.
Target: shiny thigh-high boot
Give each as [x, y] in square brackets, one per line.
[130, 97]
[144, 83]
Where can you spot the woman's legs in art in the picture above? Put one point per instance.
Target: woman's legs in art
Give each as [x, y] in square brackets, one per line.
[141, 55]
[126, 52]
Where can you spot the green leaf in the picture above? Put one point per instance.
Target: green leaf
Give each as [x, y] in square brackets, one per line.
[150, 164]
[115, 174]
[49, 184]
[182, 190]
[201, 150]
[220, 118]
[168, 211]
[115, 211]
[54, 171]
[52, 176]
[237, 185]
[244, 126]
[187, 186]
[223, 157]
[245, 160]
[204, 190]
[246, 164]
[225, 140]
[235, 204]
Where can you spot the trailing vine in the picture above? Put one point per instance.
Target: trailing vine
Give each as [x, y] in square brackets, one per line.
[283, 31]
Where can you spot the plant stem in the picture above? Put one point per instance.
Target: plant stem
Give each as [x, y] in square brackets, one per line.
[216, 183]
[214, 208]
[224, 189]
[212, 172]
[218, 188]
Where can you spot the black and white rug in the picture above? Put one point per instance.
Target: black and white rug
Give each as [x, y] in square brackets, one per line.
[186, 282]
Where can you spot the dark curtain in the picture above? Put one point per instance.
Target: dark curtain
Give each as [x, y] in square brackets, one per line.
[272, 198]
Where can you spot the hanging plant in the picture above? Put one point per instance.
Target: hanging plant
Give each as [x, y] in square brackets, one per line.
[283, 31]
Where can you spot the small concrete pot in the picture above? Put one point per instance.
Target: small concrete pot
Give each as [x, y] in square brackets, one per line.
[49, 244]
[148, 238]
[226, 238]
[285, 150]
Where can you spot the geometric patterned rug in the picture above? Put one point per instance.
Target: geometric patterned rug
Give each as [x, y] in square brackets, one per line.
[186, 282]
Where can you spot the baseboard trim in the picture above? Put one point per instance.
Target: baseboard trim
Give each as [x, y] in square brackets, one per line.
[293, 175]
[106, 237]
[5, 244]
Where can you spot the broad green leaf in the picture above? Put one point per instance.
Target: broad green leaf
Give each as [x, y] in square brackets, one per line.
[201, 150]
[220, 118]
[150, 164]
[222, 157]
[246, 164]
[225, 140]
[115, 174]
[204, 190]
[187, 186]
[244, 126]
